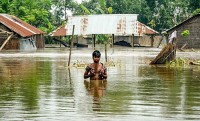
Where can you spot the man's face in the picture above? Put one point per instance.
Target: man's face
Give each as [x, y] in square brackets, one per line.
[96, 59]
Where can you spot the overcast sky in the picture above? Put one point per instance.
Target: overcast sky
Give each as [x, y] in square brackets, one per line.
[79, 1]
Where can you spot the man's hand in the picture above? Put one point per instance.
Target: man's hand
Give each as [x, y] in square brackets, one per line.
[102, 71]
[92, 72]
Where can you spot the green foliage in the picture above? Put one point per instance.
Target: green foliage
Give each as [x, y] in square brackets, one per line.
[178, 62]
[102, 3]
[102, 39]
[38, 13]
[95, 7]
[185, 33]
[193, 5]
[164, 33]
[197, 11]
[110, 10]
[85, 10]
[152, 23]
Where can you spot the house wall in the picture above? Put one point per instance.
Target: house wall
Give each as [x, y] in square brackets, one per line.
[146, 40]
[12, 44]
[16, 44]
[40, 42]
[193, 39]
[27, 44]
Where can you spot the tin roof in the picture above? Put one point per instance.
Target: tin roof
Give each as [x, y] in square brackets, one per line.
[144, 29]
[118, 24]
[60, 31]
[20, 27]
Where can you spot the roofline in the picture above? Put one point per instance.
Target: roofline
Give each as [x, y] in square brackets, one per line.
[104, 15]
[19, 24]
[177, 26]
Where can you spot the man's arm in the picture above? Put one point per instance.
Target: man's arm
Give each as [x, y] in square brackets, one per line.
[86, 75]
[104, 73]
[88, 72]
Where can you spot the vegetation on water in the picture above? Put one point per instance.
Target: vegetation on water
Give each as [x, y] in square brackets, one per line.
[181, 63]
[177, 62]
[109, 63]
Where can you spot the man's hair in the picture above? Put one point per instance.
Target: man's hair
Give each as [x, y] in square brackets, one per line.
[96, 53]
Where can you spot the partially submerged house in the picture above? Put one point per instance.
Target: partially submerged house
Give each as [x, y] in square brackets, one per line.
[122, 27]
[17, 34]
[193, 25]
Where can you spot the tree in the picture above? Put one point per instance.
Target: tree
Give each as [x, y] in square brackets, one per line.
[44, 14]
[193, 5]
[197, 11]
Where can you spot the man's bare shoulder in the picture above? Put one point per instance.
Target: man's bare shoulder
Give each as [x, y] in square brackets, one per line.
[89, 67]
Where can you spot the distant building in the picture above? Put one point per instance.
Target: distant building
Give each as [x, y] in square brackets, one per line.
[25, 36]
[122, 27]
[193, 25]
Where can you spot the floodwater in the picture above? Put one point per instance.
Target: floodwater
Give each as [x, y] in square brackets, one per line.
[39, 86]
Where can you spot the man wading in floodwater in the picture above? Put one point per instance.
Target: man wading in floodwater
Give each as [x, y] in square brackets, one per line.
[95, 70]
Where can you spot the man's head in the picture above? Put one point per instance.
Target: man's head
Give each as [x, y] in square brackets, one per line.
[96, 56]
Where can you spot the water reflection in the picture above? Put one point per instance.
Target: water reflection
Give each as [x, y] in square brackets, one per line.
[45, 88]
[96, 88]
[16, 79]
[172, 90]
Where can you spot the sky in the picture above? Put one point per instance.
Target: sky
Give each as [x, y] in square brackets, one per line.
[79, 1]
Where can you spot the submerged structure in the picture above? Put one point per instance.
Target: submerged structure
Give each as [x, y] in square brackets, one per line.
[122, 27]
[176, 40]
[17, 34]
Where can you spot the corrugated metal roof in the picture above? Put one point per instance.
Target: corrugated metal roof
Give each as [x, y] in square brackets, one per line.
[20, 27]
[60, 31]
[144, 29]
[118, 24]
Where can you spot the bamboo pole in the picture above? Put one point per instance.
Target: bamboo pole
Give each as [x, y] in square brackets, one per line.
[113, 40]
[160, 41]
[132, 40]
[106, 57]
[94, 41]
[70, 52]
[152, 40]
[6, 41]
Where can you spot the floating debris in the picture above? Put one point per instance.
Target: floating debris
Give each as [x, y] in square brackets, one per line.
[167, 54]
[195, 63]
[110, 63]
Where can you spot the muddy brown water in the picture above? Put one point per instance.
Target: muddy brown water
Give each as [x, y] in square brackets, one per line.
[39, 86]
